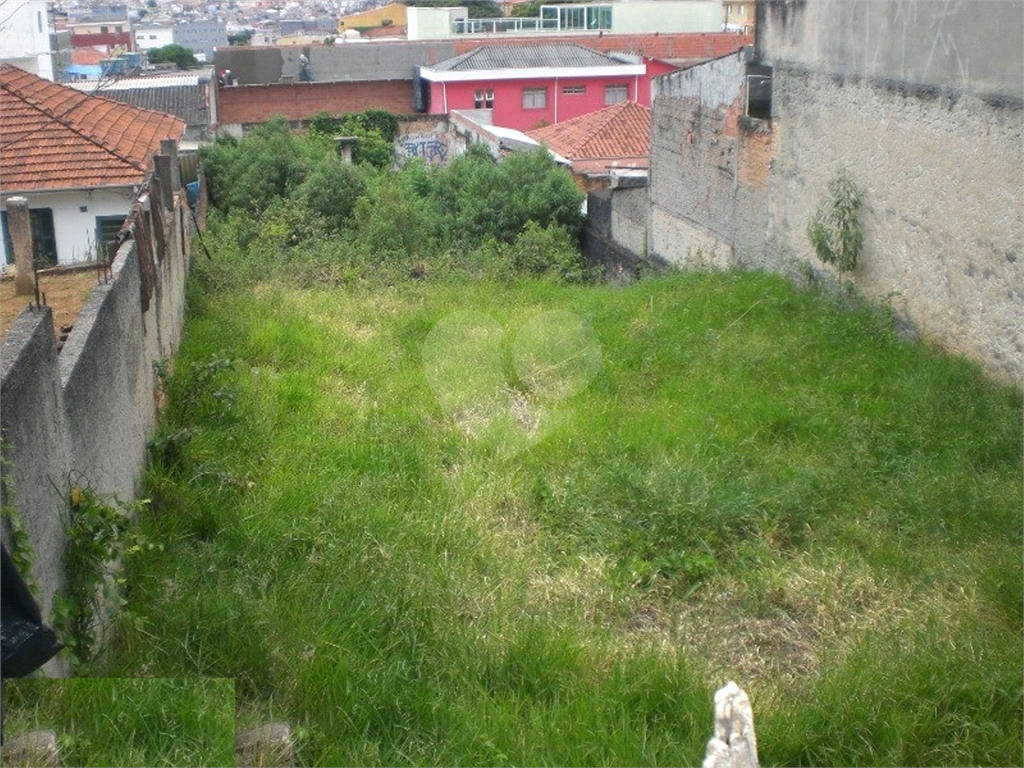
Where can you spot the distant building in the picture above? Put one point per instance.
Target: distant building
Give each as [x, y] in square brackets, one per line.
[201, 37]
[77, 158]
[584, 19]
[111, 37]
[150, 38]
[99, 14]
[526, 87]
[325, 25]
[393, 15]
[190, 96]
[600, 144]
[739, 16]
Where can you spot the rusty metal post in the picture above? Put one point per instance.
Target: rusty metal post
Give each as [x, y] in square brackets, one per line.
[20, 229]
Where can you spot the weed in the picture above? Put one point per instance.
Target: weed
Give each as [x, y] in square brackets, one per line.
[835, 230]
[99, 534]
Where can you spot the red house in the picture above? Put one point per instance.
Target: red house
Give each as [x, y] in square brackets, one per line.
[527, 86]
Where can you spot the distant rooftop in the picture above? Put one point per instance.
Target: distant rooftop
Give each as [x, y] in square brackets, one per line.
[557, 55]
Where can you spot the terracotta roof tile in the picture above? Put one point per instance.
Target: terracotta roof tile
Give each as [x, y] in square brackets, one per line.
[616, 132]
[54, 137]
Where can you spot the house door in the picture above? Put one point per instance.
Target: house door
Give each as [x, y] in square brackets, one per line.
[44, 238]
[107, 228]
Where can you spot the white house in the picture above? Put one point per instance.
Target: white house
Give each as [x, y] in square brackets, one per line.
[78, 159]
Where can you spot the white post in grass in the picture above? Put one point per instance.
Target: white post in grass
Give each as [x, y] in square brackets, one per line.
[734, 744]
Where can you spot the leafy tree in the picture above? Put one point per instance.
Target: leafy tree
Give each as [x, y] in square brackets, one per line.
[477, 9]
[241, 38]
[527, 10]
[376, 130]
[174, 54]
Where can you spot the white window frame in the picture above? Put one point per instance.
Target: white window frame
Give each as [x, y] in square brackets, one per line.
[483, 98]
[531, 97]
[574, 90]
[610, 90]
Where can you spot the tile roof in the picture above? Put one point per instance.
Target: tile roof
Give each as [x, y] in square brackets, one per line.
[88, 56]
[527, 57]
[619, 131]
[54, 137]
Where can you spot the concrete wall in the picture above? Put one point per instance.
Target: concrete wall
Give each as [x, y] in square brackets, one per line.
[939, 161]
[615, 232]
[660, 16]
[84, 415]
[969, 45]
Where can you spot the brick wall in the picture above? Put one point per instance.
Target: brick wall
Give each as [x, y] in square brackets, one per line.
[683, 46]
[710, 167]
[248, 104]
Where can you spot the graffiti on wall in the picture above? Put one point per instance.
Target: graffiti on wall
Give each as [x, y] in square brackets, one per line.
[432, 147]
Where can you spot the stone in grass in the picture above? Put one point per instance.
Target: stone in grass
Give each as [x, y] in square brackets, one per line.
[268, 746]
[734, 744]
[36, 748]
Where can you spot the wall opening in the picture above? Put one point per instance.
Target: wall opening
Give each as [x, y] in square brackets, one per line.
[759, 91]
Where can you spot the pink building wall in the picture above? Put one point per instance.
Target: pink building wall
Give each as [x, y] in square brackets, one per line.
[508, 108]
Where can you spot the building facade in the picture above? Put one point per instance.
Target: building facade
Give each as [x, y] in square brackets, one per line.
[527, 87]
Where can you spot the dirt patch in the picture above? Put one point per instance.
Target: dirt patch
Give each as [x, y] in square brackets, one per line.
[65, 292]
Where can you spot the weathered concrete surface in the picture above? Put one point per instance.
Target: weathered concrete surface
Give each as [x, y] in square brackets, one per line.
[971, 46]
[940, 169]
[265, 746]
[20, 230]
[709, 168]
[734, 744]
[34, 425]
[84, 415]
[943, 218]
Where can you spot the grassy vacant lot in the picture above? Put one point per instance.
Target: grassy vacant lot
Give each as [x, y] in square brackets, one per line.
[421, 541]
[127, 722]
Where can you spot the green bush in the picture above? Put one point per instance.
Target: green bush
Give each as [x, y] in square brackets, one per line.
[539, 250]
[331, 189]
[283, 198]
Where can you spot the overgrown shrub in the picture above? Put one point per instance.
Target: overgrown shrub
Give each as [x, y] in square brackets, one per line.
[284, 199]
[547, 250]
[248, 174]
[331, 189]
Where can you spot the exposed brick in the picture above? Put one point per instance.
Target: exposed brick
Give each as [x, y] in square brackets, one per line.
[249, 104]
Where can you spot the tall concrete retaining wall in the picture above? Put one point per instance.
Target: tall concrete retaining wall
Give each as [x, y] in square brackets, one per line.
[938, 161]
[83, 415]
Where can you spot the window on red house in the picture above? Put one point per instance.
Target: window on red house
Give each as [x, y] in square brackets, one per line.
[483, 99]
[535, 98]
[574, 90]
[613, 94]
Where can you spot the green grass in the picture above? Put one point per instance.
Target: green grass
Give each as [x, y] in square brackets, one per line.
[127, 722]
[757, 484]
